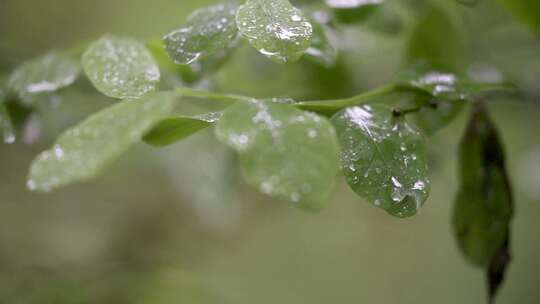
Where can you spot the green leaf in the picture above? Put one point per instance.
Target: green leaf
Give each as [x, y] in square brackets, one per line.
[354, 11]
[275, 28]
[174, 129]
[483, 207]
[443, 85]
[433, 118]
[528, 11]
[84, 150]
[321, 50]
[435, 39]
[6, 126]
[46, 74]
[121, 67]
[383, 158]
[285, 152]
[208, 31]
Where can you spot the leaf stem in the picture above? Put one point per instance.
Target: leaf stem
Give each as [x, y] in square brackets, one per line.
[330, 107]
[230, 98]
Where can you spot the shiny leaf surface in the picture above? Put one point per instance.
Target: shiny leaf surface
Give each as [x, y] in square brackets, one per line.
[383, 158]
[275, 28]
[208, 31]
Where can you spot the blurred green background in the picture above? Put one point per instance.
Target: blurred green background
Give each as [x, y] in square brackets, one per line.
[178, 225]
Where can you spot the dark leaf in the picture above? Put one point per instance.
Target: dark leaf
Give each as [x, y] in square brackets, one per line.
[497, 269]
[383, 158]
[484, 205]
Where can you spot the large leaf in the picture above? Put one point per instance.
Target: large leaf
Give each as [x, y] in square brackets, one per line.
[528, 11]
[174, 129]
[121, 67]
[483, 207]
[285, 152]
[484, 204]
[208, 31]
[46, 74]
[84, 150]
[275, 28]
[383, 158]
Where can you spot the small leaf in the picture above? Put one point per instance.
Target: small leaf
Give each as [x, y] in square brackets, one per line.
[285, 152]
[321, 50]
[84, 150]
[174, 129]
[442, 85]
[275, 28]
[483, 207]
[121, 67]
[208, 31]
[383, 158]
[351, 11]
[434, 117]
[6, 126]
[528, 11]
[46, 74]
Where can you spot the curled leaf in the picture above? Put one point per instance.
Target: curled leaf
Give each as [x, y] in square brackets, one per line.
[484, 205]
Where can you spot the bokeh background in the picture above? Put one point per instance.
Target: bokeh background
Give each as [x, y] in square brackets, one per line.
[178, 225]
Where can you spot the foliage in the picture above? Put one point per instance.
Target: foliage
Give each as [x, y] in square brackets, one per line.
[288, 149]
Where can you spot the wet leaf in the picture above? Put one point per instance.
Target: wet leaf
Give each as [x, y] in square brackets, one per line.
[285, 152]
[483, 208]
[121, 67]
[443, 85]
[208, 31]
[528, 11]
[46, 74]
[174, 129]
[383, 158]
[84, 150]
[322, 50]
[275, 28]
